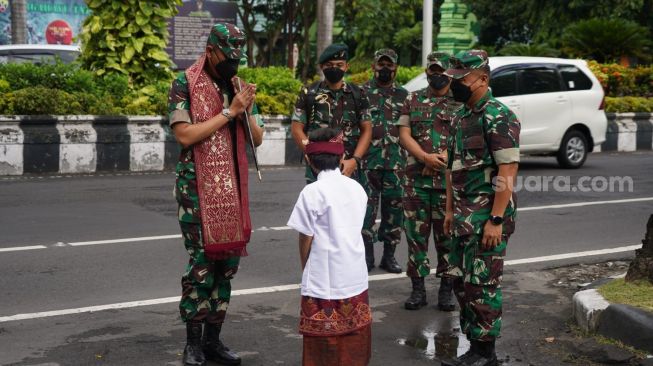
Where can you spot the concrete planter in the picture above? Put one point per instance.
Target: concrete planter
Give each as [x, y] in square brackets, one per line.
[89, 144]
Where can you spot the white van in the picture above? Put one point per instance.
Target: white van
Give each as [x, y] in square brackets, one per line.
[558, 101]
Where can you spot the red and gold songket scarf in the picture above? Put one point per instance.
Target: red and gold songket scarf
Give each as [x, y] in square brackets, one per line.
[221, 184]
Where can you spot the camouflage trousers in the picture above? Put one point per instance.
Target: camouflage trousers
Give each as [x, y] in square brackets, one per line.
[384, 189]
[477, 285]
[206, 284]
[424, 210]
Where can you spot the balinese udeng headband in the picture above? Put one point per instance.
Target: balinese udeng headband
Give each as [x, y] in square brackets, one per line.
[324, 147]
[334, 146]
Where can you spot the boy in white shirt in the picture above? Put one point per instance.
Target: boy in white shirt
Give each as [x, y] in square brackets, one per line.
[335, 317]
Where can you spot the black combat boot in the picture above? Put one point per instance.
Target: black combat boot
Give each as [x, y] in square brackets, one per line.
[479, 354]
[446, 300]
[417, 297]
[214, 349]
[388, 261]
[369, 256]
[193, 355]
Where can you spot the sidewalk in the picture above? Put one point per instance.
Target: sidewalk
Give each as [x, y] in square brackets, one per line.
[263, 329]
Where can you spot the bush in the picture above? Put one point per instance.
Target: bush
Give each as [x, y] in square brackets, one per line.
[619, 81]
[404, 75]
[276, 88]
[41, 100]
[628, 104]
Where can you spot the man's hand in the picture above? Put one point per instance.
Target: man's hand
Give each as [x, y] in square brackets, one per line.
[448, 223]
[491, 236]
[243, 100]
[348, 166]
[435, 161]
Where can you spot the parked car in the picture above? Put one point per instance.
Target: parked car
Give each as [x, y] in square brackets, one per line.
[38, 53]
[558, 101]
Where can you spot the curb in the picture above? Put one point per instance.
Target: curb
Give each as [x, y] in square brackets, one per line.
[625, 323]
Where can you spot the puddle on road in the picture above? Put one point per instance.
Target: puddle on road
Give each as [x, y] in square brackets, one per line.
[434, 345]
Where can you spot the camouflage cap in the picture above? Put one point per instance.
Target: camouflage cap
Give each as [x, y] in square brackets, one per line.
[227, 38]
[386, 52]
[465, 61]
[438, 58]
[336, 51]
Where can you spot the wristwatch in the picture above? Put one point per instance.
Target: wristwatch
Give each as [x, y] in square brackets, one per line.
[496, 220]
[358, 160]
[227, 113]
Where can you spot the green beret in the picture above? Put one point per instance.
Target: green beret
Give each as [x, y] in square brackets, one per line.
[336, 51]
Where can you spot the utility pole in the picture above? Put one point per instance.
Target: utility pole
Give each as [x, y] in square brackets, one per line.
[427, 29]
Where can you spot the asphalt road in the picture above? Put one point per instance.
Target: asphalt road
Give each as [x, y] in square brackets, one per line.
[48, 264]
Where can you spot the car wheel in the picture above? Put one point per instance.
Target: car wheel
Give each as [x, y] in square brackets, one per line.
[573, 150]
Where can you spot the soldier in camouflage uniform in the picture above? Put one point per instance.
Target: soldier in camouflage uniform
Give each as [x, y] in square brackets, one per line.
[424, 128]
[384, 164]
[335, 104]
[483, 150]
[206, 284]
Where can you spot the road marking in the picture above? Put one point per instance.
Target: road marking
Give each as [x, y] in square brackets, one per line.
[125, 240]
[284, 228]
[281, 288]
[580, 204]
[30, 247]
[557, 257]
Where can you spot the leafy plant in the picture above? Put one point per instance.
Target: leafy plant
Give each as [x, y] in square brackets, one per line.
[606, 40]
[528, 49]
[628, 104]
[128, 37]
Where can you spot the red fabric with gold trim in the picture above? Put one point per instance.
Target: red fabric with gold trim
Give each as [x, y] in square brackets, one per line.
[222, 185]
[325, 318]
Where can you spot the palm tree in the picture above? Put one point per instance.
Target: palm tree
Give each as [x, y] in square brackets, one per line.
[18, 24]
[525, 49]
[606, 40]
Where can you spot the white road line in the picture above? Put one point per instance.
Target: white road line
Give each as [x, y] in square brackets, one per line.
[270, 289]
[557, 257]
[284, 228]
[30, 247]
[580, 204]
[125, 240]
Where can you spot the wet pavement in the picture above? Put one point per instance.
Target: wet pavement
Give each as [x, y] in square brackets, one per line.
[263, 329]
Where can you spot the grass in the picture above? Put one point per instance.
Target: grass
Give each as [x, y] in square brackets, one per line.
[638, 294]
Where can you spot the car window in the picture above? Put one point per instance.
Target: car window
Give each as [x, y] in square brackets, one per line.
[535, 81]
[504, 83]
[574, 79]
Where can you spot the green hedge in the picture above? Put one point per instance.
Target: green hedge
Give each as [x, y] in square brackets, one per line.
[67, 89]
[628, 104]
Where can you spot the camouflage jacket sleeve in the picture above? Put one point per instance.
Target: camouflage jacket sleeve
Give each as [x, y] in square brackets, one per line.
[503, 135]
[364, 108]
[179, 100]
[257, 115]
[300, 113]
[404, 116]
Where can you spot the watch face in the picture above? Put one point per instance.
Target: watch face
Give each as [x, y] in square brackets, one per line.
[497, 220]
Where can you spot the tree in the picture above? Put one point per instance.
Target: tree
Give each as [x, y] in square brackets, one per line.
[606, 40]
[525, 49]
[18, 21]
[129, 38]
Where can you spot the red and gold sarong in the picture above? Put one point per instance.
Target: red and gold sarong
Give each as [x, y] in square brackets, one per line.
[336, 332]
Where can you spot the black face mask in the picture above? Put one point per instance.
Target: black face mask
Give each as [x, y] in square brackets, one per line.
[438, 82]
[333, 74]
[227, 69]
[385, 75]
[461, 92]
